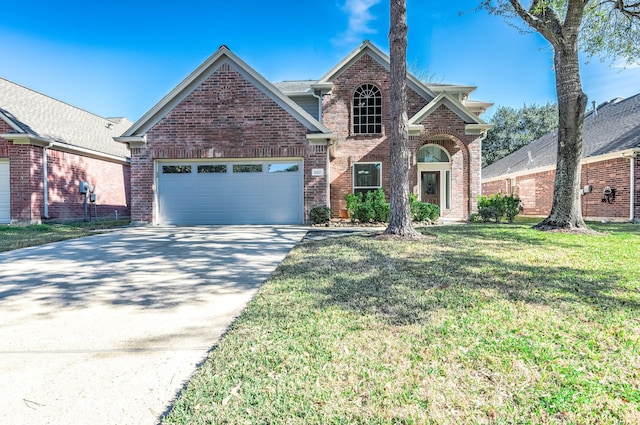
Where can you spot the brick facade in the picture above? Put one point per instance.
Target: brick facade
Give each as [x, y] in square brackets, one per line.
[536, 190]
[613, 173]
[64, 173]
[442, 127]
[226, 116]
[111, 183]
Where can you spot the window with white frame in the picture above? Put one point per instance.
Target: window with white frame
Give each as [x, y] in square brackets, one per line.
[367, 176]
[367, 110]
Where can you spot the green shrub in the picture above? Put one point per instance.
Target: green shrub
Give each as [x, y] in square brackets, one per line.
[511, 207]
[475, 218]
[497, 207]
[367, 208]
[320, 214]
[373, 207]
[381, 208]
[421, 211]
[353, 201]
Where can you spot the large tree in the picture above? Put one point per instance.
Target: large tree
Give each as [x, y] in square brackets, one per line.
[607, 28]
[514, 128]
[400, 219]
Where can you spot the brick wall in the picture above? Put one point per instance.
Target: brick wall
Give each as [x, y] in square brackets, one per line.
[465, 159]
[613, 173]
[536, 190]
[352, 148]
[25, 175]
[64, 172]
[496, 186]
[111, 181]
[225, 117]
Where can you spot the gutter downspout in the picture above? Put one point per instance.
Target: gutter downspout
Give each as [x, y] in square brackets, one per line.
[632, 182]
[45, 182]
[632, 187]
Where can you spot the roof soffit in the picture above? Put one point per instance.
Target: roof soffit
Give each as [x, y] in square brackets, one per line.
[222, 56]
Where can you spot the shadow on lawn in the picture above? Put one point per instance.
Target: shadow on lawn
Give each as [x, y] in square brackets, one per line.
[403, 282]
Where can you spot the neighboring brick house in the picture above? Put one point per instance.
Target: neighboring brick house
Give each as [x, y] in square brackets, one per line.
[227, 146]
[610, 176]
[47, 148]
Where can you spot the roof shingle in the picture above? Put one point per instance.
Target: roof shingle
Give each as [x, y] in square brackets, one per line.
[613, 127]
[48, 118]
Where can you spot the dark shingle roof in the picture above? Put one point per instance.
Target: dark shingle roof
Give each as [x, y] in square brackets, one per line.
[615, 126]
[45, 117]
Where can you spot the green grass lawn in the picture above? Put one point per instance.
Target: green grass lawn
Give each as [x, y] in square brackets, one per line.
[14, 237]
[495, 324]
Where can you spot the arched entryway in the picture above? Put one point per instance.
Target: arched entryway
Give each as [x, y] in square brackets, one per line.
[434, 175]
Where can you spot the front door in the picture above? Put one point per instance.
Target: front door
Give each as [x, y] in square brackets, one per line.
[430, 187]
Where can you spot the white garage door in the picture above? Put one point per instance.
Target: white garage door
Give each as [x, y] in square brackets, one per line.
[247, 192]
[5, 215]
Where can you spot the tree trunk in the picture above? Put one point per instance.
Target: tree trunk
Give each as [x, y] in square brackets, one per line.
[400, 219]
[566, 210]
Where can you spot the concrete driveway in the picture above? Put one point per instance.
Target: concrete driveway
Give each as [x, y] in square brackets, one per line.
[108, 329]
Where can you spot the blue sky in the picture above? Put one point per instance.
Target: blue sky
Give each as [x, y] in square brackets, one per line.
[121, 57]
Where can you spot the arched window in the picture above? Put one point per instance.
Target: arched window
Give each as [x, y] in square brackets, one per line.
[432, 153]
[367, 110]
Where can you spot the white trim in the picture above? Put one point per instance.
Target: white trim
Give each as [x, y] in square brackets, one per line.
[437, 146]
[30, 139]
[353, 176]
[133, 141]
[10, 122]
[321, 137]
[368, 48]
[474, 125]
[440, 167]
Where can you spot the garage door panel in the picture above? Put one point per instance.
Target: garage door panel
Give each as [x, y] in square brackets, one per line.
[233, 197]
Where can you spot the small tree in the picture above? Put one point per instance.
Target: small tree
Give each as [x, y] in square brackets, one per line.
[608, 28]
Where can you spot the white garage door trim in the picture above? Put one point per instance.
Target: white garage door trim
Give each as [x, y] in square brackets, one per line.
[248, 191]
[5, 197]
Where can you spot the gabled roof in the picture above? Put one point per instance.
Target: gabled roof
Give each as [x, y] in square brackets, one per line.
[222, 56]
[33, 116]
[368, 48]
[450, 102]
[613, 128]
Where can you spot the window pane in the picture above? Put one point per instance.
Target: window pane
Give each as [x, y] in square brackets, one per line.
[283, 168]
[176, 169]
[447, 188]
[366, 175]
[212, 168]
[367, 110]
[432, 154]
[247, 168]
